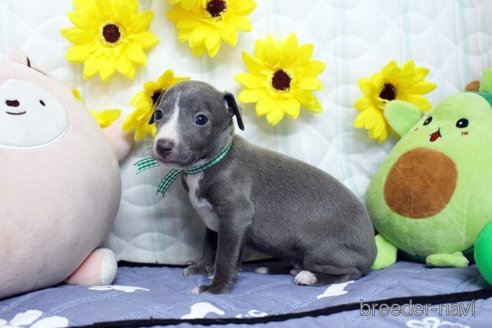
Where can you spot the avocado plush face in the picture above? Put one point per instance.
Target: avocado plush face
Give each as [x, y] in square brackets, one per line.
[432, 194]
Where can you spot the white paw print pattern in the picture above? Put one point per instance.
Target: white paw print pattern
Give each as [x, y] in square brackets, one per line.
[433, 322]
[335, 290]
[30, 319]
[252, 314]
[201, 310]
[126, 289]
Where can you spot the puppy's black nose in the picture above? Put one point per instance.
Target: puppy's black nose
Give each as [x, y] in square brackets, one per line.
[12, 103]
[164, 146]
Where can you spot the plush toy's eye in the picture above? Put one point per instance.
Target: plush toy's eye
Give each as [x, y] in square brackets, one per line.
[200, 119]
[158, 114]
[42, 103]
[428, 120]
[462, 123]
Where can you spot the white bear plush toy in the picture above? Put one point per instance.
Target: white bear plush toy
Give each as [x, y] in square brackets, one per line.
[59, 185]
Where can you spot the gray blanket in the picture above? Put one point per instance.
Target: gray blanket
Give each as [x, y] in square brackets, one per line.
[404, 295]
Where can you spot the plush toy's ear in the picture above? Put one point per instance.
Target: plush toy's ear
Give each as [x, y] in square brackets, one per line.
[486, 81]
[472, 86]
[401, 116]
[233, 108]
[19, 57]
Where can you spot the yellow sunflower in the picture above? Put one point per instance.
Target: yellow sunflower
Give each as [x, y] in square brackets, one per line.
[144, 101]
[109, 36]
[393, 82]
[281, 78]
[206, 23]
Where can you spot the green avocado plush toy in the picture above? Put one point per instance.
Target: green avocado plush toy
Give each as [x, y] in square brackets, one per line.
[432, 195]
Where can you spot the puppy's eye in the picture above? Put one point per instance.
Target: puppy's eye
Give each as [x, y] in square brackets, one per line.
[200, 119]
[42, 103]
[462, 123]
[158, 114]
[428, 120]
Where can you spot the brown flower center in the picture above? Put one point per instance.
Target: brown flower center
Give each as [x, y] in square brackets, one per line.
[281, 80]
[388, 92]
[216, 7]
[111, 33]
[156, 95]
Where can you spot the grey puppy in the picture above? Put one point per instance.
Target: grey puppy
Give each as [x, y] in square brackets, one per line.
[258, 198]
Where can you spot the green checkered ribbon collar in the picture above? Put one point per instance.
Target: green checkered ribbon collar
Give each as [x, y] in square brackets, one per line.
[169, 179]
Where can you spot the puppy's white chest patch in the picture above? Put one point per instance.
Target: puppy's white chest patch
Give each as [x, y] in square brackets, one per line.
[201, 205]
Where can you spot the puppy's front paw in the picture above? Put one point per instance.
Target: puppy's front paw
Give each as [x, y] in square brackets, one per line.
[212, 289]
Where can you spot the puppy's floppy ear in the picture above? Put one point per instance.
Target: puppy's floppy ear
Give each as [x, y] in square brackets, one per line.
[152, 120]
[233, 108]
[156, 99]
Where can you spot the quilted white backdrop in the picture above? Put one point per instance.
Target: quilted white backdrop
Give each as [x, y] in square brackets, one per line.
[355, 38]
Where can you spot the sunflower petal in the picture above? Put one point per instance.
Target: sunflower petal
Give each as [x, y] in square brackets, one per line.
[362, 103]
[198, 36]
[130, 122]
[254, 65]
[408, 67]
[124, 65]
[292, 108]
[229, 35]
[250, 96]
[141, 21]
[106, 68]
[310, 84]
[244, 7]
[104, 5]
[314, 105]
[77, 36]
[359, 120]
[314, 68]
[371, 118]
[420, 101]
[79, 53]
[243, 24]
[212, 41]
[265, 106]
[198, 50]
[247, 80]
[366, 86]
[84, 5]
[290, 43]
[81, 19]
[135, 53]
[146, 39]
[90, 67]
[305, 53]
[275, 116]
[422, 87]
[212, 52]
[390, 68]
[379, 128]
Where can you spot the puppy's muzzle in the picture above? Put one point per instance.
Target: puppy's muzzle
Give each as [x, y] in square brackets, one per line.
[164, 147]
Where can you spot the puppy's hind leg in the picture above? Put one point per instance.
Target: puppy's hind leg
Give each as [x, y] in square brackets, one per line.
[308, 278]
[316, 274]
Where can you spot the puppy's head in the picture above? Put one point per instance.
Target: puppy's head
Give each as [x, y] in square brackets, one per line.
[194, 123]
